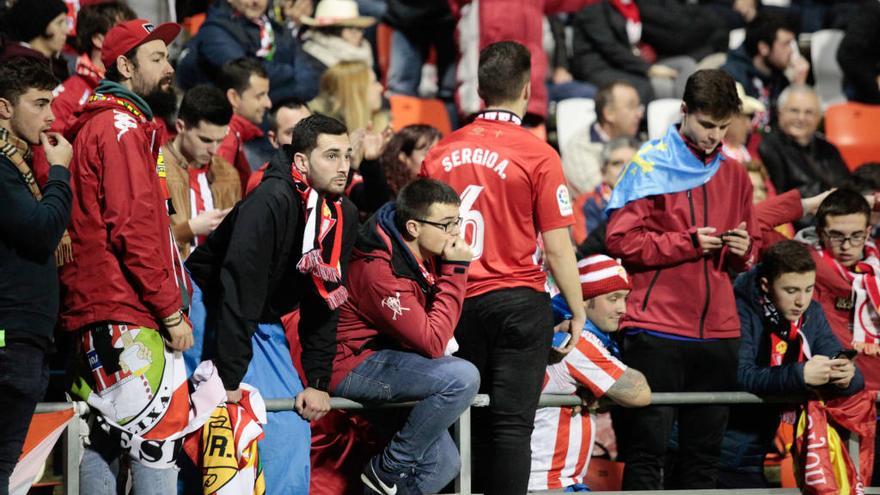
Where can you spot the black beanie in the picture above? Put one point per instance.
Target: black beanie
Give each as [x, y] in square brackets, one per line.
[28, 19]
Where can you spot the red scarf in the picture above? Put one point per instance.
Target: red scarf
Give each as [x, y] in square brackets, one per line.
[322, 241]
[779, 345]
[865, 296]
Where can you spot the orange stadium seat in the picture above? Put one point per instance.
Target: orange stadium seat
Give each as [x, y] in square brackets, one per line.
[383, 50]
[407, 110]
[854, 128]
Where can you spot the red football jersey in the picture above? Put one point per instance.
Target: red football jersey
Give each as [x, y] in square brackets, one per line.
[512, 188]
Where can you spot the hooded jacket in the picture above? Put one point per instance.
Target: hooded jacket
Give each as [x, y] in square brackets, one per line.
[73, 94]
[231, 148]
[122, 269]
[751, 430]
[739, 65]
[391, 304]
[247, 272]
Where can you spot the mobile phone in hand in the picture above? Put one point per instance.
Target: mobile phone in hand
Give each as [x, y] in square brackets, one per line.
[561, 339]
[846, 353]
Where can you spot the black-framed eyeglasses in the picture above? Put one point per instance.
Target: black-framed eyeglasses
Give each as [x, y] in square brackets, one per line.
[856, 239]
[445, 227]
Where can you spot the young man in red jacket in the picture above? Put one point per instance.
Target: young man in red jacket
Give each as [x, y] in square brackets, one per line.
[121, 289]
[407, 283]
[246, 83]
[681, 218]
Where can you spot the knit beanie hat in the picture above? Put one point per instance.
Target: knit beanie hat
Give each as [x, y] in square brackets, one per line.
[600, 274]
[28, 19]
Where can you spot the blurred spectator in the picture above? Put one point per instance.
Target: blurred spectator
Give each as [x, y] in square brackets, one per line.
[420, 25]
[407, 285]
[336, 34]
[680, 28]
[240, 28]
[859, 55]
[36, 29]
[123, 287]
[590, 207]
[351, 94]
[202, 185]
[736, 13]
[32, 224]
[681, 329]
[561, 84]
[92, 24]
[786, 348]
[562, 442]
[608, 47]
[282, 119]
[293, 12]
[482, 23]
[795, 154]
[619, 113]
[741, 127]
[760, 63]
[247, 88]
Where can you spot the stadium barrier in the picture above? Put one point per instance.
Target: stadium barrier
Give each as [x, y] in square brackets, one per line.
[73, 444]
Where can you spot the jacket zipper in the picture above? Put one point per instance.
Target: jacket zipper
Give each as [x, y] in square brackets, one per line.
[705, 263]
[650, 287]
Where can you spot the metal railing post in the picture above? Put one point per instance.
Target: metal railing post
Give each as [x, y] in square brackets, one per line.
[73, 448]
[463, 439]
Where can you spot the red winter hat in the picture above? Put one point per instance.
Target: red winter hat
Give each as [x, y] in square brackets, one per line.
[600, 274]
[128, 35]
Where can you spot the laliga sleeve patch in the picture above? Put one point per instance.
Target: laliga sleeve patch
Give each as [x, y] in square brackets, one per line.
[563, 200]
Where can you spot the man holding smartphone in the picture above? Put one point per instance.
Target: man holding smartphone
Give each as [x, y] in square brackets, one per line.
[787, 347]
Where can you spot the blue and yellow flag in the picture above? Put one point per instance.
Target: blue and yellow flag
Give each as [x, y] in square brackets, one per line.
[661, 166]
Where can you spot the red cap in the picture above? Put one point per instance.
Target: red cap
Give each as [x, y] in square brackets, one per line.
[131, 34]
[600, 274]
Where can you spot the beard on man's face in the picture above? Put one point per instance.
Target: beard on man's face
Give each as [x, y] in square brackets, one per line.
[163, 102]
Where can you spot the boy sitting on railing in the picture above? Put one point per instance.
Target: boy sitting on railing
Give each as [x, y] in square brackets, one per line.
[593, 369]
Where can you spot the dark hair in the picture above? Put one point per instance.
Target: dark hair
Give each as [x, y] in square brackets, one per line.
[713, 92]
[98, 19]
[764, 28]
[866, 178]
[306, 132]
[405, 141]
[605, 97]
[273, 114]
[416, 198]
[112, 73]
[841, 202]
[786, 257]
[25, 20]
[19, 74]
[503, 72]
[204, 103]
[236, 74]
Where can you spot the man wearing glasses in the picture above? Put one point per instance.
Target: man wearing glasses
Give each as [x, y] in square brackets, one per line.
[848, 277]
[407, 282]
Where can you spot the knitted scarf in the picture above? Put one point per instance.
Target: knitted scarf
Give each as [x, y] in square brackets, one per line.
[18, 152]
[787, 342]
[865, 280]
[322, 241]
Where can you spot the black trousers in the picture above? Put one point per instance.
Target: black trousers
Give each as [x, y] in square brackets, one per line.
[643, 434]
[23, 380]
[506, 334]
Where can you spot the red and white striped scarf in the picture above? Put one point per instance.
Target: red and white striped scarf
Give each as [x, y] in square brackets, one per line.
[865, 280]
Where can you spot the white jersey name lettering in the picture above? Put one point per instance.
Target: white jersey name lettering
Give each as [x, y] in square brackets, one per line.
[475, 156]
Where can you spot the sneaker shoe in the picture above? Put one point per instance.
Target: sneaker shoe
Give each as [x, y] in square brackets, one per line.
[378, 480]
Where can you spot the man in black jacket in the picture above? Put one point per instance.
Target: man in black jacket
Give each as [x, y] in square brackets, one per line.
[32, 222]
[786, 348]
[859, 55]
[286, 244]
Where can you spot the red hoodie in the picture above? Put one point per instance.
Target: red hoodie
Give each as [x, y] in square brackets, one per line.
[122, 269]
[677, 290]
[231, 149]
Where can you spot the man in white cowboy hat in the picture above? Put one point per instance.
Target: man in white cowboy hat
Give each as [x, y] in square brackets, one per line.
[240, 28]
[336, 34]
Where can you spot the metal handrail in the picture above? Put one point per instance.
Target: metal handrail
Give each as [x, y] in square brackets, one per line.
[73, 443]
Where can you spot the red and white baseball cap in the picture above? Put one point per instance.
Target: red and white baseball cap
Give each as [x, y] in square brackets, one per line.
[600, 274]
[128, 35]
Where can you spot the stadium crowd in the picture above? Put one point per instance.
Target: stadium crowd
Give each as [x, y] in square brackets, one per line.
[199, 215]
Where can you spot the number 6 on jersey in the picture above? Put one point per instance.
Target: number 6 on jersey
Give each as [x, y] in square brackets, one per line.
[472, 226]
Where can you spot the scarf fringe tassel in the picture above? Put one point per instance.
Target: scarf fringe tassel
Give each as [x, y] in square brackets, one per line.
[337, 297]
[867, 349]
[311, 262]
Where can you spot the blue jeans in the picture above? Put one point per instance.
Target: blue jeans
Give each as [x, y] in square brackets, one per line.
[444, 388]
[97, 476]
[408, 53]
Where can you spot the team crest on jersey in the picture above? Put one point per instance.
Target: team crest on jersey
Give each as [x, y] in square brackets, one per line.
[123, 123]
[393, 304]
[563, 200]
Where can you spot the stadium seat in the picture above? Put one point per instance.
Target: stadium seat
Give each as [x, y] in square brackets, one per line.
[853, 128]
[574, 117]
[407, 110]
[661, 114]
[737, 36]
[826, 70]
[383, 50]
